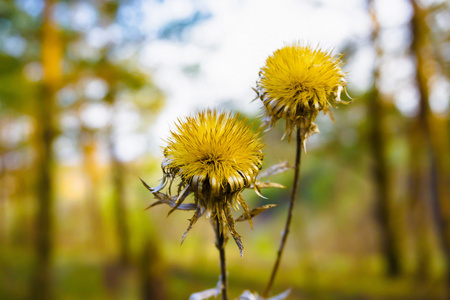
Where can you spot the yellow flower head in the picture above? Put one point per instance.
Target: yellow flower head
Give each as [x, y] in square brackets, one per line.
[215, 156]
[297, 83]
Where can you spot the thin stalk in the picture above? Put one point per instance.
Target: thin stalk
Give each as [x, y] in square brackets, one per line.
[298, 157]
[220, 244]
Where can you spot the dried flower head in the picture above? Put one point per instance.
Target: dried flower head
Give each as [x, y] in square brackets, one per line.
[297, 83]
[215, 156]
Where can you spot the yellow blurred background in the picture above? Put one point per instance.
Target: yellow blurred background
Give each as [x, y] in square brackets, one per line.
[90, 89]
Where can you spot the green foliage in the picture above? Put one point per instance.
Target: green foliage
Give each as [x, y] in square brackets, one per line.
[15, 91]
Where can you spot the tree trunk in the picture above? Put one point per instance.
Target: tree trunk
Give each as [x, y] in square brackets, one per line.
[120, 210]
[381, 172]
[46, 131]
[151, 271]
[89, 148]
[3, 192]
[419, 201]
[118, 170]
[435, 135]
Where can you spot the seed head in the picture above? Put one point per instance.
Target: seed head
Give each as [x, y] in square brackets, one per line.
[215, 156]
[296, 83]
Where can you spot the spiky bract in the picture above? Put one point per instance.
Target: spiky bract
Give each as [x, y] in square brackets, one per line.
[296, 83]
[215, 156]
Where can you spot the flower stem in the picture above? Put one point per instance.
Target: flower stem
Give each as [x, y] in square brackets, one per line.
[298, 157]
[220, 244]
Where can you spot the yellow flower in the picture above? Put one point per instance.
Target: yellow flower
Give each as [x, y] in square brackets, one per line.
[296, 83]
[215, 156]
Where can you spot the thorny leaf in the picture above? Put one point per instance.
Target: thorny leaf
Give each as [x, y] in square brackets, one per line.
[258, 190]
[247, 212]
[264, 185]
[180, 199]
[257, 186]
[247, 295]
[275, 169]
[176, 202]
[207, 293]
[155, 189]
[198, 213]
[146, 185]
[254, 212]
[230, 222]
[165, 199]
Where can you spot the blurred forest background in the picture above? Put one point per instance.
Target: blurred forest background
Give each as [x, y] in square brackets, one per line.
[87, 94]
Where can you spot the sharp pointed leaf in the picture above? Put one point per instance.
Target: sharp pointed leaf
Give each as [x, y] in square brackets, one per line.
[198, 213]
[171, 201]
[275, 169]
[265, 185]
[180, 199]
[226, 213]
[254, 212]
[258, 191]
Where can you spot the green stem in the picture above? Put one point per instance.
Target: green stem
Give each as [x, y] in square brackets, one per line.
[290, 213]
[220, 244]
